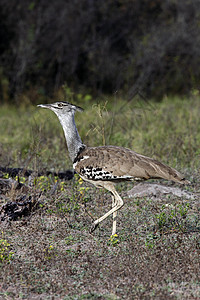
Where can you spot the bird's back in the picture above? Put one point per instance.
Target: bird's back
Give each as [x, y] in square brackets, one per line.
[118, 164]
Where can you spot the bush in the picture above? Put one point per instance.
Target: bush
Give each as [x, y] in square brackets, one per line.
[138, 46]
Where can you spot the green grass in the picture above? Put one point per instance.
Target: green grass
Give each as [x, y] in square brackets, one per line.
[169, 131]
[51, 253]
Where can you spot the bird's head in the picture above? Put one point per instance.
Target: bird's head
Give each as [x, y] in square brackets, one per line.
[61, 108]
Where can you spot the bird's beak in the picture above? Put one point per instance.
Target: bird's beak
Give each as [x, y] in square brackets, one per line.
[44, 105]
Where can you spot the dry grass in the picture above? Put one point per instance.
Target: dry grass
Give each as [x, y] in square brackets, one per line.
[55, 255]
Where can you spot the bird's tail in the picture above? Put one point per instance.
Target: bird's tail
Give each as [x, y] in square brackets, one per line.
[166, 172]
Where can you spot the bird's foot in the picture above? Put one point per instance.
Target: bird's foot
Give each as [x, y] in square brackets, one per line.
[93, 227]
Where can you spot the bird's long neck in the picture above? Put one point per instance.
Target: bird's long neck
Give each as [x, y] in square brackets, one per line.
[74, 143]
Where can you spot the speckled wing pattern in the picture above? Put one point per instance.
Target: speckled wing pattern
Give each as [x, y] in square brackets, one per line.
[115, 163]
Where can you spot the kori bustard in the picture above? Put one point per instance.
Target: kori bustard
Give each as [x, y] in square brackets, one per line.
[104, 166]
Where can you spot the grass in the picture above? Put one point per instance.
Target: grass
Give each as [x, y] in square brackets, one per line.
[169, 131]
[51, 254]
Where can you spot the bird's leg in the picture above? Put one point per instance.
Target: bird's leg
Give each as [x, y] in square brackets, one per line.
[118, 204]
[114, 216]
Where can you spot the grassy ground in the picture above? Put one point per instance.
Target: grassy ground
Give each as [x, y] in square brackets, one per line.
[51, 255]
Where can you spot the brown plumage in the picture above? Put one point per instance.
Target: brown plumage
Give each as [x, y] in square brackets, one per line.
[122, 164]
[104, 166]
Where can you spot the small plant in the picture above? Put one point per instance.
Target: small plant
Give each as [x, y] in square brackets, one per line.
[80, 192]
[70, 200]
[113, 240]
[6, 255]
[5, 175]
[183, 210]
[62, 186]
[172, 217]
[150, 240]
[43, 183]
[20, 179]
[162, 219]
[48, 252]
[83, 191]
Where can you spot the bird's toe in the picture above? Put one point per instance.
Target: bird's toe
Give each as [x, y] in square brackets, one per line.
[93, 227]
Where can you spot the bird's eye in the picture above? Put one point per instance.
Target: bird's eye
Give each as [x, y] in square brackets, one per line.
[60, 105]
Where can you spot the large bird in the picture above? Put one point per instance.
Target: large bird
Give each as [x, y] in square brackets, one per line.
[104, 166]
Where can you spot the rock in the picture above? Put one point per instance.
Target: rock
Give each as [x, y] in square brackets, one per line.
[156, 190]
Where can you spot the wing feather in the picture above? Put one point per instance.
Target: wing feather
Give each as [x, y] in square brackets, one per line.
[118, 162]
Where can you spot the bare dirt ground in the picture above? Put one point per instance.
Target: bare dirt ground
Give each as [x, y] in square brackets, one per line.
[47, 252]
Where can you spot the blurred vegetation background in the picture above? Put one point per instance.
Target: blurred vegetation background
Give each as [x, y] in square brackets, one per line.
[150, 47]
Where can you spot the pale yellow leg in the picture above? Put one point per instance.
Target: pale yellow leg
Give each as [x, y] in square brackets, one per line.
[118, 204]
[114, 217]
